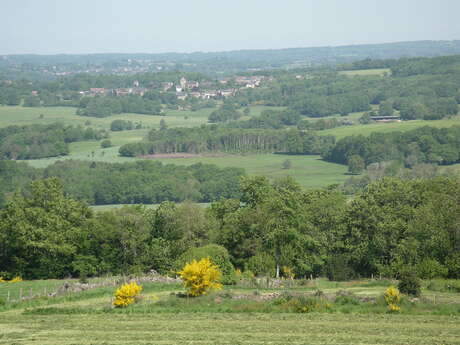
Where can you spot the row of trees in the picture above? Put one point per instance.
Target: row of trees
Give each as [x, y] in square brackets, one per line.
[145, 182]
[222, 139]
[391, 226]
[421, 145]
[39, 141]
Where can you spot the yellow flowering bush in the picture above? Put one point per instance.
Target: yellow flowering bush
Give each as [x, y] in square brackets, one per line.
[200, 277]
[126, 294]
[2, 280]
[16, 279]
[392, 298]
[288, 272]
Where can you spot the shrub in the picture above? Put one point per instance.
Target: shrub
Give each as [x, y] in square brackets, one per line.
[393, 299]
[338, 268]
[261, 265]
[409, 283]
[430, 268]
[304, 304]
[16, 279]
[201, 277]
[218, 255]
[127, 294]
[106, 143]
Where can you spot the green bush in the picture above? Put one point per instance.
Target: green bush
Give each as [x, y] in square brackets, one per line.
[430, 268]
[409, 283]
[106, 143]
[218, 255]
[339, 269]
[261, 264]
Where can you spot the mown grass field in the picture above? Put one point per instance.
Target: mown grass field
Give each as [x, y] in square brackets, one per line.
[365, 72]
[160, 318]
[340, 132]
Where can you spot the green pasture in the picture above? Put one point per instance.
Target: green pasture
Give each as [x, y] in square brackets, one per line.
[17, 115]
[103, 208]
[161, 317]
[340, 132]
[366, 72]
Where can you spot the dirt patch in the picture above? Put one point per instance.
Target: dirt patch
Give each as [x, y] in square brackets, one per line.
[180, 155]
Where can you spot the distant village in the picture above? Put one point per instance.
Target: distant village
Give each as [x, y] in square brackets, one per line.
[187, 88]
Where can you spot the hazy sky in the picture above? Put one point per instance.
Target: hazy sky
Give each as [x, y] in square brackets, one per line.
[153, 26]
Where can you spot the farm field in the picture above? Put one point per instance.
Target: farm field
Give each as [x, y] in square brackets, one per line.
[160, 318]
[16, 115]
[340, 132]
[364, 72]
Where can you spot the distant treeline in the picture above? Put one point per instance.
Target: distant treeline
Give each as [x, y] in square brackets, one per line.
[421, 145]
[144, 182]
[106, 106]
[39, 141]
[430, 84]
[391, 227]
[221, 139]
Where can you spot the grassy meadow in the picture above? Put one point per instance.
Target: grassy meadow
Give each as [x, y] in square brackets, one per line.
[340, 132]
[236, 315]
[366, 72]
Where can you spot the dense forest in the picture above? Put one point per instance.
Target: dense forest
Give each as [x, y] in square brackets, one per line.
[145, 182]
[390, 226]
[39, 141]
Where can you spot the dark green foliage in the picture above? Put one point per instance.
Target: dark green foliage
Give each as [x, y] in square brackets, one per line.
[219, 139]
[338, 268]
[355, 164]
[39, 141]
[225, 113]
[421, 145]
[121, 125]
[106, 143]
[409, 282]
[262, 265]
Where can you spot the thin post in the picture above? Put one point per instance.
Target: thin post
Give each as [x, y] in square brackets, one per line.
[20, 294]
[8, 296]
[30, 293]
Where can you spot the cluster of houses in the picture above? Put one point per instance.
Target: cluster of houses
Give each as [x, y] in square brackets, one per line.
[204, 90]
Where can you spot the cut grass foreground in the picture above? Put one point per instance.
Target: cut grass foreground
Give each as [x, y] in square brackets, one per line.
[191, 328]
[161, 318]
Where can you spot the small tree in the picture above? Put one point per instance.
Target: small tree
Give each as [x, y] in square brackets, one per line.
[409, 283]
[106, 143]
[355, 165]
[287, 164]
[201, 277]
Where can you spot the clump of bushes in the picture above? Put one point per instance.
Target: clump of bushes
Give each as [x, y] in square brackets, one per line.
[409, 283]
[201, 277]
[127, 294]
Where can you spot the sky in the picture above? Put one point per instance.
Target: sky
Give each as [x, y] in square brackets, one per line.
[157, 26]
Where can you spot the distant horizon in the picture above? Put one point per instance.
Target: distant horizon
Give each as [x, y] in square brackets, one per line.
[52, 27]
[232, 50]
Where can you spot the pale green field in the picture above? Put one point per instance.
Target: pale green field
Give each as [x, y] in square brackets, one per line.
[103, 208]
[230, 328]
[24, 116]
[344, 131]
[363, 72]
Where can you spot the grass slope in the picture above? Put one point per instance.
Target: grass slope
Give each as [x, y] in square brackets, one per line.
[344, 131]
